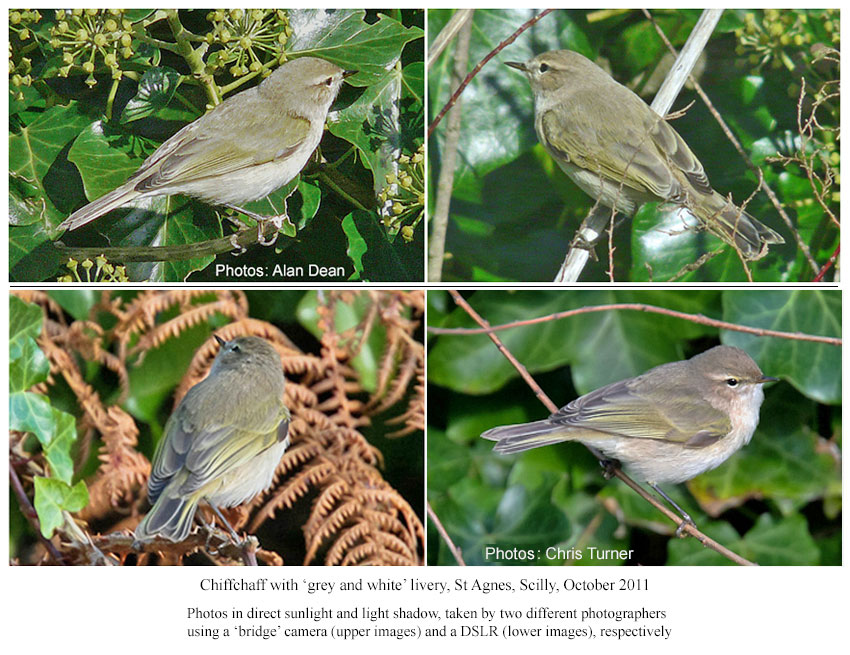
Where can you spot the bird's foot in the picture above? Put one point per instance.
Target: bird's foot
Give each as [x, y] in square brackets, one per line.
[609, 467]
[277, 221]
[686, 520]
[237, 247]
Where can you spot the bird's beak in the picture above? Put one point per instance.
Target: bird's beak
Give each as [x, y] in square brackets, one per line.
[221, 341]
[348, 73]
[765, 378]
[519, 65]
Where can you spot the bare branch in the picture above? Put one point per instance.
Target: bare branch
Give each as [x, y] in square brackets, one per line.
[640, 307]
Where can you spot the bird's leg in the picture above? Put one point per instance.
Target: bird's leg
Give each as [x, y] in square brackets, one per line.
[227, 525]
[686, 519]
[277, 219]
[212, 532]
[262, 221]
[246, 212]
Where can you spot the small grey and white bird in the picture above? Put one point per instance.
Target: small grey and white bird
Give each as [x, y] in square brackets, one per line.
[250, 145]
[666, 425]
[620, 152]
[222, 443]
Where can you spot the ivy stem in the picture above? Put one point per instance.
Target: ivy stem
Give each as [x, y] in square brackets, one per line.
[183, 43]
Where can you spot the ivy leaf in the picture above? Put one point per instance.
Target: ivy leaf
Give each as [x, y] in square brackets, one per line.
[53, 497]
[156, 88]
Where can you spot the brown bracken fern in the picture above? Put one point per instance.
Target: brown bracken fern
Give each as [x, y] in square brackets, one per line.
[353, 515]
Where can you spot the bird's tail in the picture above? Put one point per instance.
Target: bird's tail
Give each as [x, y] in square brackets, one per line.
[99, 207]
[737, 227]
[170, 517]
[524, 436]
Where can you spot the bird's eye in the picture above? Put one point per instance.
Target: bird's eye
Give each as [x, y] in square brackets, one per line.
[732, 382]
[235, 348]
[329, 81]
[544, 68]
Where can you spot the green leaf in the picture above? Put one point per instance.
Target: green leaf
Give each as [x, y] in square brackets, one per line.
[664, 249]
[53, 497]
[447, 463]
[55, 430]
[77, 302]
[813, 368]
[372, 124]
[311, 198]
[348, 316]
[413, 79]
[35, 148]
[471, 364]
[31, 412]
[156, 88]
[104, 159]
[285, 201]
[771, 542]
[27, 364]
[31, 252]
[343, 37]
[370, 248]
[356, 246]
[476, 519]
[153, 379]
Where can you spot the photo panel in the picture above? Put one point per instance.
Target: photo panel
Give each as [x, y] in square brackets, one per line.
[545, 121]
[217, 427]
[729, 401]
[207, 146]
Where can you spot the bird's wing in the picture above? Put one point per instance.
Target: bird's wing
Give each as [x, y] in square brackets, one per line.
[673, 147]
[651, 152]
[220, 143]
[624, 408]
[210, 451]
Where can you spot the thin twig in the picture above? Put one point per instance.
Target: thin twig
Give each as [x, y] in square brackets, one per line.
[685, 527]
[432, 515]
[734, 141]
[828, 265]
[530, 381]
[640, 307]
[440, 219]
[480, 65]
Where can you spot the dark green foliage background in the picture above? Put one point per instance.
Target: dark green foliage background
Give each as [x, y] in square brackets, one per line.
[777, 501]
[514, 212]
